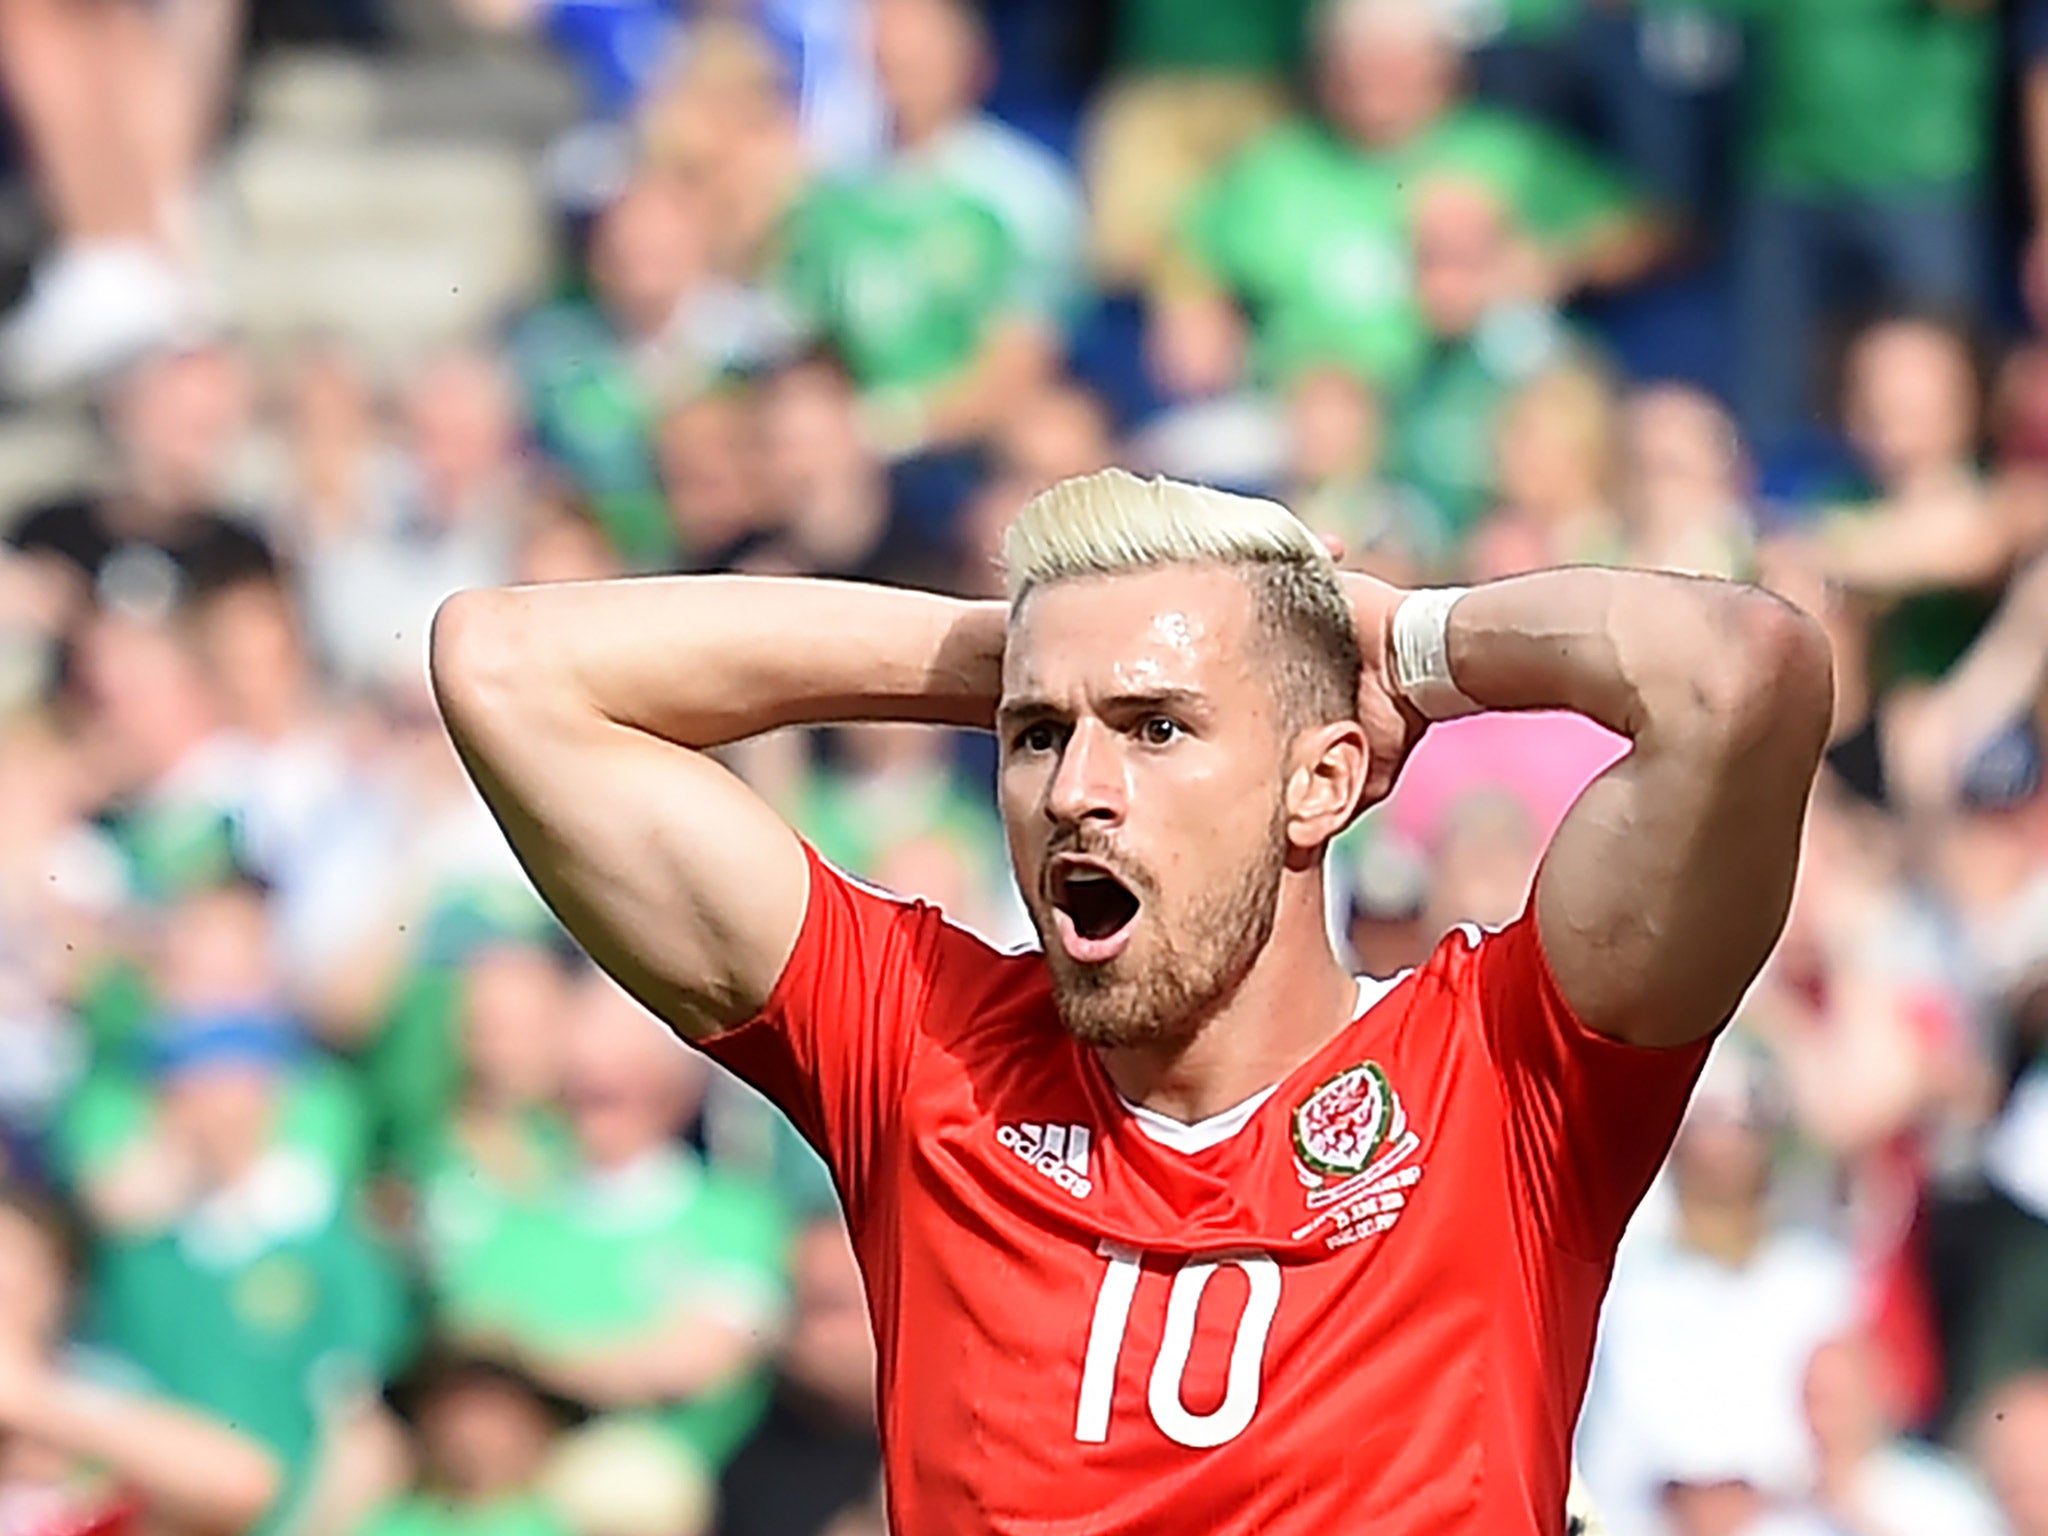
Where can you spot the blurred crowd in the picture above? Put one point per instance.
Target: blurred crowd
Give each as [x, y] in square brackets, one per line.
[339, 1196]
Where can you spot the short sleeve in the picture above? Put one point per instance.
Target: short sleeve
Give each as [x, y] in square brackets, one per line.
[1589, 1118]
[833, 1045]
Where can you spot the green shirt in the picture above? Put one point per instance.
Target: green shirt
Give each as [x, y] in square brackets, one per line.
[595, 417]
[606, 1260]
[1868, 95]
[1310, 232]
[422, 1514]
[904, 275]
[1441, 428]
[1917, 637]
[267, 1310]
[1249, 37]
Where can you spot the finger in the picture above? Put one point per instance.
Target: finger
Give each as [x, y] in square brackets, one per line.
[1335, 546]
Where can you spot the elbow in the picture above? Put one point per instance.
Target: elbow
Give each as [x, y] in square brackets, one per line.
[473, 652]
[1770, 680]
[245, 1493]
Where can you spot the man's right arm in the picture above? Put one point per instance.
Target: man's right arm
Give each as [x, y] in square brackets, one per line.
[584, 711]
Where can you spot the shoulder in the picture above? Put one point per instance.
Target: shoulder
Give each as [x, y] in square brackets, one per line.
[1278, 160]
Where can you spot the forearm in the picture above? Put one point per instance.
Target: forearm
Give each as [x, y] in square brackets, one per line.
[1897, 555]
[707, 660]
[1668, 881]
[1631, 650]
[1618, 252]
[679, 1364]
[196, 1473]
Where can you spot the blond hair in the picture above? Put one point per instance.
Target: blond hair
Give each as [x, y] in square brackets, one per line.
[1112, 523]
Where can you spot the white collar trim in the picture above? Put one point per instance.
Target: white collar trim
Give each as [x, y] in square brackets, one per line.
[1188, 1138]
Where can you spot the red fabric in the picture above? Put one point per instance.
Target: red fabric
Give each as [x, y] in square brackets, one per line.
[1398, 1347]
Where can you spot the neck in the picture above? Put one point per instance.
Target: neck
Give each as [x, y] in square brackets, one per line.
[1296, 995]
[919, 127]
[1730, 1232]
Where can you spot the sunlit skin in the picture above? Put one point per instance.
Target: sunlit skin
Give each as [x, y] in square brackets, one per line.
[1139, 728]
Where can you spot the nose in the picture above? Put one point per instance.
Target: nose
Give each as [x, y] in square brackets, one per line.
[1088, 784]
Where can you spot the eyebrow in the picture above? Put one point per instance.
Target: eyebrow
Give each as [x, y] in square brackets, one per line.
[1031, 707]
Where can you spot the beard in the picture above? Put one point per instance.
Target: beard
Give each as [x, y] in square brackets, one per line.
[1160, 989]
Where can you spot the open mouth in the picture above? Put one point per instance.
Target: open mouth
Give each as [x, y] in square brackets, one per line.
[1098, 907]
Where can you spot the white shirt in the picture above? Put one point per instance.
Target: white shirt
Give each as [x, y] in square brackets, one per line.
[1699, 1370]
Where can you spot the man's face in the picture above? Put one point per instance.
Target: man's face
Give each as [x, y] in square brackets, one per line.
[1461, 250]
[1911, 400]
[1142, 771]
[1384, 81]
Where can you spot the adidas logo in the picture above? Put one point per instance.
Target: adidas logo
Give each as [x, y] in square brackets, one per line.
[1060, 1152]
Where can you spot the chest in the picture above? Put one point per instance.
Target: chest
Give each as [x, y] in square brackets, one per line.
[1071, 1311]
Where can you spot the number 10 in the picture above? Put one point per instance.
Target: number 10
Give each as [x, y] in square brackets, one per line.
[1247, 1352]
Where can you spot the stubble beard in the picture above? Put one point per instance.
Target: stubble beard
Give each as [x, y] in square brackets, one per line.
[1161, 989]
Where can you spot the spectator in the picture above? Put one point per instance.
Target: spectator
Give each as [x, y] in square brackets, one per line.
[334, 442]
[501, 1150]
[1486, 337]
[816, 1454]
[936, 65]
[1873, 1041]
[262, 1298]
[1190, 84]
[713, 478]
[1337, 483]
[941, 276]
[1557, 463]
[1304, 235]
[484, 1434]
[84, 1446]
[1912, 552]
[157, 531]
[1708, 1326]
[171, 777]
[831, 503]
[302, 796]
[1063, 429]
[448, 521]
[651, 1285]
[2012, 1444]
[1684, 497]
[218, 1087]
[1869, 146]
[727, 125]
[1483, 862]
[661, 324]
[1870, 1481]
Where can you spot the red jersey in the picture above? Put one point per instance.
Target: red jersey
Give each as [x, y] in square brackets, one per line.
[1363, 1302]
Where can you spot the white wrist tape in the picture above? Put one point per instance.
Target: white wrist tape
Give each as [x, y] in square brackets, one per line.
[1422, 653]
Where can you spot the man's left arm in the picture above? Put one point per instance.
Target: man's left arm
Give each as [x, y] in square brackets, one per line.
[1668, 882]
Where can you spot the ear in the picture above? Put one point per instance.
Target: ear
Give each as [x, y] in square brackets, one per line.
[1326, 774]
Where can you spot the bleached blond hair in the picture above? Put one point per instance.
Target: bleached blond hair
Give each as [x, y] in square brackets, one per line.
[1111, 523]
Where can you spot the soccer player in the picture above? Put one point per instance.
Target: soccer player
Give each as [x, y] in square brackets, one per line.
[1173, 1225]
